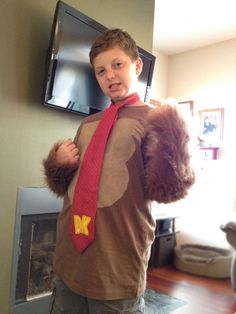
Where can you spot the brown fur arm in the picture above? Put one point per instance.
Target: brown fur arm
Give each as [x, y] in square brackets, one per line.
[169, 174]
[58, 177]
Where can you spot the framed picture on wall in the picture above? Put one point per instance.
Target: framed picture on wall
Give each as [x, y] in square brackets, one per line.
[211, 126]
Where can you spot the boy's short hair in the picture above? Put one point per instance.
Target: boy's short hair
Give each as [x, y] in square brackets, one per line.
[112, 38]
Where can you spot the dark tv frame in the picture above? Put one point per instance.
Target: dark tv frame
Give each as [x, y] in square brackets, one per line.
[51, 62]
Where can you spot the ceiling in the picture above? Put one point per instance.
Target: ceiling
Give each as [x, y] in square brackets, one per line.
[182, 25]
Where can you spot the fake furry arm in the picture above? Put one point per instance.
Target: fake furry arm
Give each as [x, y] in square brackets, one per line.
[58, 177]
[169, 174]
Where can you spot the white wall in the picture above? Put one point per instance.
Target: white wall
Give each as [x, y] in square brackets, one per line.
[208, 77]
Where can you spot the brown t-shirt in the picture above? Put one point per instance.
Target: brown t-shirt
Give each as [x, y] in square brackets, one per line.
[114, 265]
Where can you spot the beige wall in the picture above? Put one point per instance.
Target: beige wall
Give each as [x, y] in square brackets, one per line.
[28, 129]
[208, 77]
[160, 76]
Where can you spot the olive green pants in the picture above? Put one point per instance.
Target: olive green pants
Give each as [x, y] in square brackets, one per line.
[64, 301]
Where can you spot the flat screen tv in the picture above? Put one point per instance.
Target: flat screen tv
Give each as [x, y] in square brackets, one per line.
[70, 83]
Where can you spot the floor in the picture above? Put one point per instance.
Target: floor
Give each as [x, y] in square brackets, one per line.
[203, 295]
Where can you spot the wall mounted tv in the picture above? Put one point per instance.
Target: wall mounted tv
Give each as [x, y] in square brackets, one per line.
[70, 83]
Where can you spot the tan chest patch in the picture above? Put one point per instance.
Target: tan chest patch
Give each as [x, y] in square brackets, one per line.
[120, 148]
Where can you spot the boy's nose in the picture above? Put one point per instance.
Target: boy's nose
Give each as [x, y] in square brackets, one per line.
[110, 74]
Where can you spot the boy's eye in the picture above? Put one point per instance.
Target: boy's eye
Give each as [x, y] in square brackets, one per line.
[118, 64]
[100, 72]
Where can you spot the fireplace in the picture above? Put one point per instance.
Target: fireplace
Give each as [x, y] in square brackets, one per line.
[34, 245]
[37, 244]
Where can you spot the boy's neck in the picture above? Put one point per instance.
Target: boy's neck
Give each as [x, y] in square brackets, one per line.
[137, 103]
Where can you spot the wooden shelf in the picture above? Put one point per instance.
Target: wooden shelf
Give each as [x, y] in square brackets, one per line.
[208, 153]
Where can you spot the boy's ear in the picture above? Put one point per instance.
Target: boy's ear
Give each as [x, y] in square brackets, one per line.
[139, 66]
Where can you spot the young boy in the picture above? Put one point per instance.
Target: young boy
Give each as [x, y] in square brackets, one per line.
[117, 162]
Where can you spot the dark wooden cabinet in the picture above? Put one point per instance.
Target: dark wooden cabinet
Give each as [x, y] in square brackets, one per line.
[162, 251]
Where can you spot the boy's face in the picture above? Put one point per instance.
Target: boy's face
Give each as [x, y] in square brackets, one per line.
[116, 73]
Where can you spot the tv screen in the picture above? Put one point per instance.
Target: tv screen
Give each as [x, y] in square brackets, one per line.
[70, 83]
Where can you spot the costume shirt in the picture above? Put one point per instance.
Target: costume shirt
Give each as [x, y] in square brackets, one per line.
[114, 265]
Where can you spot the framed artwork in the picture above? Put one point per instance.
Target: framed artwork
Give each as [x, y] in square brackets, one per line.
[211, 126]
[186, 108]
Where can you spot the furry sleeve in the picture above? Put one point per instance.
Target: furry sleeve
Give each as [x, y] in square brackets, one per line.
[57, 177]
[169, 174]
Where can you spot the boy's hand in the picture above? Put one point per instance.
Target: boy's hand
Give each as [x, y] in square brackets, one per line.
[67, 153]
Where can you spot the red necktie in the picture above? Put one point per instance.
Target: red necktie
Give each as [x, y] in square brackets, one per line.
[84, 208]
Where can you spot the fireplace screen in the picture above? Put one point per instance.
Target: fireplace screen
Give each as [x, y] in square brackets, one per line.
[37, 245]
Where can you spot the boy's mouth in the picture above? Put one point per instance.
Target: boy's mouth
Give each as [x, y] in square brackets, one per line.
[114, 86]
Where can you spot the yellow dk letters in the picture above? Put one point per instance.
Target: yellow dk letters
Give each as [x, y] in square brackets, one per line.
[81, 224]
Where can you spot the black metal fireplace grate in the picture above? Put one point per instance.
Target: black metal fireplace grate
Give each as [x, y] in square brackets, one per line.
[34, 244]
[35, 263]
